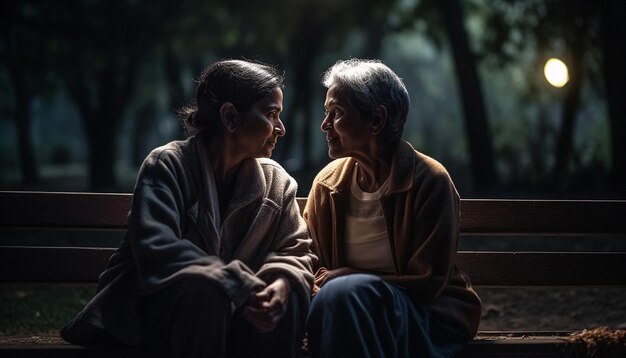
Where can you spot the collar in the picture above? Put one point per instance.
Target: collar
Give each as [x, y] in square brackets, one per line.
[403, 164]
[250, 183]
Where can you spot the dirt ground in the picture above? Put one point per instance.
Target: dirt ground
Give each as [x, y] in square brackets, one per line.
[552, 309]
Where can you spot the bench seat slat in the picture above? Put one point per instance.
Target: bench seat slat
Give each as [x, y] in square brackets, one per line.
[543, 216]
[532, 347]
[64, 210]
[544, 268]
[55, 264]
[109, 211]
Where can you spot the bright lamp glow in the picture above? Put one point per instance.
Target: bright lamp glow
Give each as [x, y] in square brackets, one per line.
[556, 72]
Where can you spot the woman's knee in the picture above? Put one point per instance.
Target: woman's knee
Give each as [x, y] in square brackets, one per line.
[348, 288]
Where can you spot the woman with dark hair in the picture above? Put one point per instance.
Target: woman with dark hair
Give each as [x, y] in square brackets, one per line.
[384, 219]
[216, 261]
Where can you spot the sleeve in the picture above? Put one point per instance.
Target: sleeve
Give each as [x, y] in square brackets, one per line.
[314, 221]
[290, 253]
[434, 231]
[309, 218]
[161, 253]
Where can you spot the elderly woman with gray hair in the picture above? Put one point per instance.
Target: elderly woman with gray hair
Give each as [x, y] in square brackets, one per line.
[384, 219]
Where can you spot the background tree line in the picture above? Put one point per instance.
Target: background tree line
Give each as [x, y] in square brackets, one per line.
[473, 69]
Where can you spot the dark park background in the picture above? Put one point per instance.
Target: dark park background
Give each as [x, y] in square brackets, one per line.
[89, 87]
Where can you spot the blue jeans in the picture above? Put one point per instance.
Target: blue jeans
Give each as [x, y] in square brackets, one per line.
[361, 315]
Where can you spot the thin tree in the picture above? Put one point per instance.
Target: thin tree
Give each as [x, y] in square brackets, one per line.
[476, 125]
[614, 48]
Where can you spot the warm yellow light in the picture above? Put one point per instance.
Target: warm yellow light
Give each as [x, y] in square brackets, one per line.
[556, 72]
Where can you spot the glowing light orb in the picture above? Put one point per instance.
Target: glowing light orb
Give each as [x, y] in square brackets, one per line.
[556, 72]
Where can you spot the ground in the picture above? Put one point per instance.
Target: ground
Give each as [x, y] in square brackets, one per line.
[552, 309]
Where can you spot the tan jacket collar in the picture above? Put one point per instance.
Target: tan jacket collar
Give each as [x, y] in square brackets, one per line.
[402, 169]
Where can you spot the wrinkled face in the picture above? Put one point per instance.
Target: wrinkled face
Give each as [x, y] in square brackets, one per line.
[347, 133]
[260, 126]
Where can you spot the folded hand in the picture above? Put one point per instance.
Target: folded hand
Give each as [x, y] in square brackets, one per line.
[266, 307]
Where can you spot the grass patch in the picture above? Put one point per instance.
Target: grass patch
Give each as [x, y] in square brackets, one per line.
[40, 308]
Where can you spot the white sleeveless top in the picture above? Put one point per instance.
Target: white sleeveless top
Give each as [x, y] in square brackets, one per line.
[367, 243]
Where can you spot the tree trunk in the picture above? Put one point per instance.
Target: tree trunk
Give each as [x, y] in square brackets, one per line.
[142, 127]
[306, 47]
[479, 139]
[565, 140]
[375, 31]
[101, 154]
[176, 90]
[614, 33]
[101, 117]
[304, 106]
[571, 103]
[23, 121]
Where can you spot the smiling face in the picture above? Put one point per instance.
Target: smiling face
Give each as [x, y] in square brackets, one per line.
[347, 133]
[260, 126]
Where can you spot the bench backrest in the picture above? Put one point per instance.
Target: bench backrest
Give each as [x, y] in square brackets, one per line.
[97, 211]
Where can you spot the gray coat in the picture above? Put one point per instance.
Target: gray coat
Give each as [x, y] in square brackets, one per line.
[175, 231]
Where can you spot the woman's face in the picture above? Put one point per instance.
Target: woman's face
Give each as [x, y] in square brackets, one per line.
[261, 126]
[347, 134]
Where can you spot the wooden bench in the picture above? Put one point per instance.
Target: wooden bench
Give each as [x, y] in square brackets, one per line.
[90, 213]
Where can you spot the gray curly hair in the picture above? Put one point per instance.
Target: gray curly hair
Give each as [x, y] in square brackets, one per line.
[369, 84]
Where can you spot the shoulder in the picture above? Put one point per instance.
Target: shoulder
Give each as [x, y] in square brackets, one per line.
[414, 169]
[277, 179]
[431, 174]
[174, 150]
[333, 173]
[273, 168]
[407, 159]
[269, 163]
[427, 165]
[168, 160]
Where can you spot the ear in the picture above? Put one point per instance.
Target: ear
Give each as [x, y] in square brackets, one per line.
[228, 114]
[379, 120]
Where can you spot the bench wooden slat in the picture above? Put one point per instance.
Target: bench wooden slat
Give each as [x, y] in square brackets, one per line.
[550, 217]
[532, 346]
[64, 210]
[544, 268]
[64, 350]
[54, 264]
[543, 216]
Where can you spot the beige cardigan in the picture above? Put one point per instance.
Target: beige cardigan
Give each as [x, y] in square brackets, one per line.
[175, 231]
[421, 210]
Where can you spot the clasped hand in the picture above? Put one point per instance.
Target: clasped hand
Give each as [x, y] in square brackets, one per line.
[265, 308]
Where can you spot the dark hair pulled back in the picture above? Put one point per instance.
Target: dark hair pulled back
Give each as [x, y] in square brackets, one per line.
[239, 82]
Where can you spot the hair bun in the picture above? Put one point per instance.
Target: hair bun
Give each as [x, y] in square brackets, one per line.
[188, 116]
